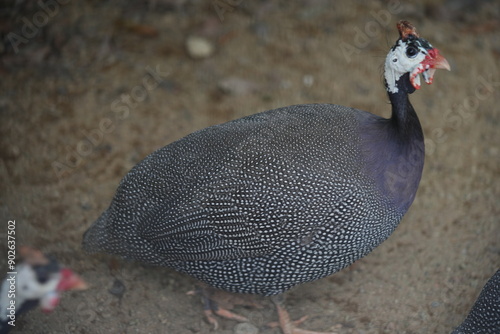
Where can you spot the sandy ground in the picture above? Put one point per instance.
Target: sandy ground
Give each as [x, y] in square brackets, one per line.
[88, 89]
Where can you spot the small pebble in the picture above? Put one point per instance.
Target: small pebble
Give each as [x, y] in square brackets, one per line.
[435, 304]
[245, 328]
[199, 47]
[118, 288]
[237, 86]
[308, 80]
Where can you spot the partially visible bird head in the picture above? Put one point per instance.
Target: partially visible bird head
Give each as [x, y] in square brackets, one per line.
[46, 267]
[413, 55]
[39, 281]
[44, 279]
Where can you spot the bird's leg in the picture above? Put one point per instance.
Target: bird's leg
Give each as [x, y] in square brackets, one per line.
[211, 306]
[288, 326]
[209, 314]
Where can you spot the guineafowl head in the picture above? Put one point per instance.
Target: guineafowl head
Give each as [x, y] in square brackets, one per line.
[411, 55]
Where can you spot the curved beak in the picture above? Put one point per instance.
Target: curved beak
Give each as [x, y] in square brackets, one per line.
[70, 281]
[435, 60]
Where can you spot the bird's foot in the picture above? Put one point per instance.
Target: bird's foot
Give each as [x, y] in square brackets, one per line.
[288, 326]
[223, 313]
[217, 302]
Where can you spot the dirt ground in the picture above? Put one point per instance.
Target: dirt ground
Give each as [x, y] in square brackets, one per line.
[90, 88]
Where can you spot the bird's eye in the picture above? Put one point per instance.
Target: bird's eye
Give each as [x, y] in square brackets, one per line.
[411, 51]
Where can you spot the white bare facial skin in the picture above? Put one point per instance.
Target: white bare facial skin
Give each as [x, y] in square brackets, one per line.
[398, 63]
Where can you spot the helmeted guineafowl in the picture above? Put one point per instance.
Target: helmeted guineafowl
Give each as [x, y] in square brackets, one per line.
[286, 196]
[484, 317]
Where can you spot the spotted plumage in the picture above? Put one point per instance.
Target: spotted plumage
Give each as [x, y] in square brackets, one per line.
[484, 317]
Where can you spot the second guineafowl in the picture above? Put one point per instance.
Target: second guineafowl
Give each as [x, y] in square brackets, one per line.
[287, 196]
[484, 317]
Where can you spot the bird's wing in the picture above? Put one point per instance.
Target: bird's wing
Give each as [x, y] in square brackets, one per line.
[241, 189]
[225, 218]
[218, 194]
